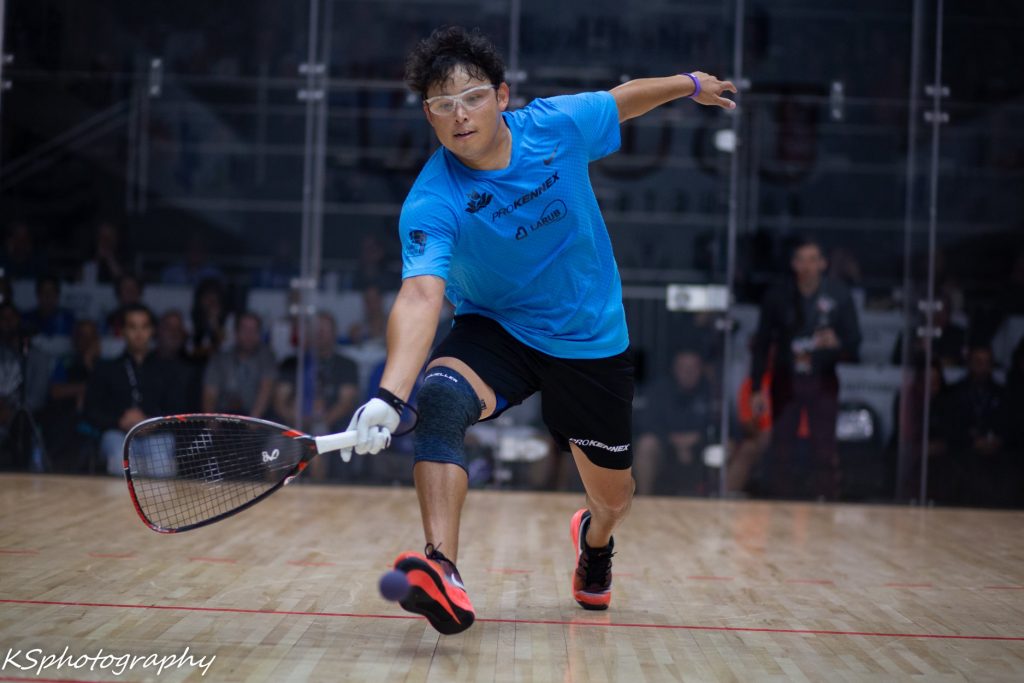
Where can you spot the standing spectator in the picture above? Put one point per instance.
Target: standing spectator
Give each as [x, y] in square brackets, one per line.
[48, 317]
[209, 318]
[20, 260]
[977, 431]
[128, 290]
[673, 430]
[126, 390]
[240, 381]
[330, 382]
[812, 323]
[62, 419]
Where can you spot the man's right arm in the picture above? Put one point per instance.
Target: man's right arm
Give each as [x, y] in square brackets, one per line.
[411, 327]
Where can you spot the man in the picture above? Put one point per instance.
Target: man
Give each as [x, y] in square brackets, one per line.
[240, 381]
[976, 434]
[49, 318]
[673, 430]
[330, 386]
[813, 325]
[503, 221]
[171, 346]
[126, 390]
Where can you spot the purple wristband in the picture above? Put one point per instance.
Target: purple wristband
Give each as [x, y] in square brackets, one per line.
[696, 84]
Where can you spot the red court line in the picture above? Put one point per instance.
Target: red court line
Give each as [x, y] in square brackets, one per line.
[221, 560]
[710, 578]
[5, 551]
[909, 585]
[544, 622]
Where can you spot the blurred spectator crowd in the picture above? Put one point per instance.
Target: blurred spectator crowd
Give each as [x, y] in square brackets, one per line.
[825, 399]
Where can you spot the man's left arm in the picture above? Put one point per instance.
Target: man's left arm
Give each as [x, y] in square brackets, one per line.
[639, 96]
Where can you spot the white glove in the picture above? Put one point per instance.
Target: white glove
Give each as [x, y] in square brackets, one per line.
[374, 421]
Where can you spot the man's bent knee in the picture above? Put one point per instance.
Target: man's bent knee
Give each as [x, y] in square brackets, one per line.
[447, 406]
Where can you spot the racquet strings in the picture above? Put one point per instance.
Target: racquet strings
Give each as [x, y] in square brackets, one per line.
[189, 470]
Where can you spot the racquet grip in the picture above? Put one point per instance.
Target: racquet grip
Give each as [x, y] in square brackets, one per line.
[334, 442]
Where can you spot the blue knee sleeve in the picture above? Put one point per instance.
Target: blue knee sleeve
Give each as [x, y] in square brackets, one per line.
[447, 406]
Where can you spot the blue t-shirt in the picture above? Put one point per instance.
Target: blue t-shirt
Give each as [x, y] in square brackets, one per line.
[526, 245]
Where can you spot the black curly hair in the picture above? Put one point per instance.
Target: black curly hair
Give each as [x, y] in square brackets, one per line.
[433, 59]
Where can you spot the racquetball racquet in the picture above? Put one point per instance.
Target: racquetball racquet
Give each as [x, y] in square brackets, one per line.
[187, 471]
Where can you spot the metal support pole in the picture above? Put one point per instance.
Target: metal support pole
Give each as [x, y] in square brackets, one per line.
[937, 118]
[731, 235]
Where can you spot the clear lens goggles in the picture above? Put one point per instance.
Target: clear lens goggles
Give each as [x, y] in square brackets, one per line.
[474, 98]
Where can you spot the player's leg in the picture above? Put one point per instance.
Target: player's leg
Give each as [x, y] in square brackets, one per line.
[441, 483]
[448, 403]
[456, 392]
[587, 405]
[609, 497]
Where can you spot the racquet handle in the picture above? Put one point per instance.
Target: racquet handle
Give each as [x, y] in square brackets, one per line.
[334, 442]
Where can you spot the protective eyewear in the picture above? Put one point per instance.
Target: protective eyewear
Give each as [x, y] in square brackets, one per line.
[445, 105]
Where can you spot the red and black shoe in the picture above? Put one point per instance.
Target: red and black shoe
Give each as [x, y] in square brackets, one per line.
[592, 580]
[436, 591]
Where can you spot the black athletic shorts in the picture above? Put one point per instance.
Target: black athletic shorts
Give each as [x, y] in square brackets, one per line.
[588, 402]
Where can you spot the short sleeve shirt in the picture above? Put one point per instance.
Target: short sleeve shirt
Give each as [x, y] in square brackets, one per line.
[526, 245]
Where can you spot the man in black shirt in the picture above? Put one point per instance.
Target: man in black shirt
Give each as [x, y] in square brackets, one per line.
[131, 388]
[813, 325]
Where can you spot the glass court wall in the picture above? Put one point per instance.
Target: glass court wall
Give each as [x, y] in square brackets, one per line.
[264, 150]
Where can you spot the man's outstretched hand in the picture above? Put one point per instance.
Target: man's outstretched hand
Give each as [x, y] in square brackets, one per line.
[711, 90]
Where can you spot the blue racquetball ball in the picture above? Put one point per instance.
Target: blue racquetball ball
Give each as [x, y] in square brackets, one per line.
[394, 585]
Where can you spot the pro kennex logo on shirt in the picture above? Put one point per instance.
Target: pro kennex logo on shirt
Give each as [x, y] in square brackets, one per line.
[478, 200]
[526, 198]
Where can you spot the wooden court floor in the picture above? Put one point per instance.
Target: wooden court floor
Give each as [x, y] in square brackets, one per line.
[704, 591]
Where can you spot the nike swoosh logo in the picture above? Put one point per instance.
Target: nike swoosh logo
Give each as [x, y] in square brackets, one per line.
[547, 162]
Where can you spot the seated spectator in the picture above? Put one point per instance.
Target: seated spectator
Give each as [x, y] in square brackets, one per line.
[372, 280]
[108, 258]
[62, 418]
[1015, 408]
[128, 290]
[950, 348]
[209, 318]
[48, 317]
[196, 266]
[755, 433]
[131, 388]
[171, 342]
[976, 436]
[239, 381]
[279, 272]
[20, 260]
[908, 421]
[673, 431]
[24, 374]
[330, 386]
